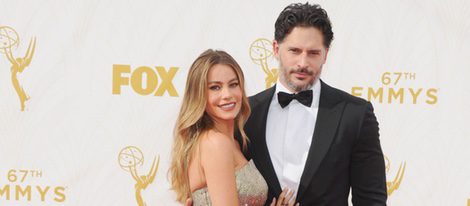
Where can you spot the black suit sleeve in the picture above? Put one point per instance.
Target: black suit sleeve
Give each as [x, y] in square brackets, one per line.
[367, 164]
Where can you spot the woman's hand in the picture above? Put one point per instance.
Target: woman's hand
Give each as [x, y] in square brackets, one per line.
[189, 202]
[285, 199]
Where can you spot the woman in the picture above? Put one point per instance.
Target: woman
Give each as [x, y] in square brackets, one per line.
[208, 165]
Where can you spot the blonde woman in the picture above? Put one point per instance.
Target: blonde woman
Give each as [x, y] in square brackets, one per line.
[208, 165]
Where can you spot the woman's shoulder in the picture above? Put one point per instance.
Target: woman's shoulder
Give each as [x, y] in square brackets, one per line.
[212, 139]
[215, 143]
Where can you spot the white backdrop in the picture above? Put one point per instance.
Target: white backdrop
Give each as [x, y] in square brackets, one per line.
[410, 58]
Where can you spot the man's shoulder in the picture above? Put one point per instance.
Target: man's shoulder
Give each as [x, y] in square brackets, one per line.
[341, 95]
[263, 96]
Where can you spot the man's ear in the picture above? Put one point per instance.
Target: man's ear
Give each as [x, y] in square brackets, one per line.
[326, 55]
[276, 49]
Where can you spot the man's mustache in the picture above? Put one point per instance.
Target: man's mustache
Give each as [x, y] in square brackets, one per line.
[301, 70]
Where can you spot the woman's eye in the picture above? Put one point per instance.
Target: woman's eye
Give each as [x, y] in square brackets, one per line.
[214, 87]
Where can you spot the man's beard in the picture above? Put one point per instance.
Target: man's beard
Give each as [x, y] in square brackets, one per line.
[297, 88]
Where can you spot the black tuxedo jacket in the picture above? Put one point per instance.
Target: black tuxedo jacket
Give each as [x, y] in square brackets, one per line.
[345, 151]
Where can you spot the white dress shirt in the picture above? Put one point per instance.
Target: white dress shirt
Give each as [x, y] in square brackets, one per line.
[289, 133]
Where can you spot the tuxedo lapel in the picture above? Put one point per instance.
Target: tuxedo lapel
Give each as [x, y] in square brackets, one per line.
[260, 107]
[329, 115]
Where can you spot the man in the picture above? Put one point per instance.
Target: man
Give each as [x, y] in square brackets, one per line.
[313, 139]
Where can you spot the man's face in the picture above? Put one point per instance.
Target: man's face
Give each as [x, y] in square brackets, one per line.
[301, 56]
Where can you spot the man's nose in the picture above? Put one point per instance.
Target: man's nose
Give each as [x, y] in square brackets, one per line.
[302, 61]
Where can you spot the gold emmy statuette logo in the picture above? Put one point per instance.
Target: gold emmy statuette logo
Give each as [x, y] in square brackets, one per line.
[395, 183]
[260, 51]
[10, 40]
[129, 158]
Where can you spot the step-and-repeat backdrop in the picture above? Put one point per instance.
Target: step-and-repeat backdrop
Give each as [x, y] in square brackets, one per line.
[86, 86]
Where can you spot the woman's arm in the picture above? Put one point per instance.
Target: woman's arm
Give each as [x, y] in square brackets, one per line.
[218, 165]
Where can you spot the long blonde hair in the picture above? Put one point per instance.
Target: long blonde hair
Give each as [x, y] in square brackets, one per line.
[193, 120]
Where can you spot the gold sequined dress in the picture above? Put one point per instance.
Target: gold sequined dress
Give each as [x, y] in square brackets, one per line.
[251, 186]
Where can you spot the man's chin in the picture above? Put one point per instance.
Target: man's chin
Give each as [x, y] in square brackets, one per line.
[298, 83]
[300, 86]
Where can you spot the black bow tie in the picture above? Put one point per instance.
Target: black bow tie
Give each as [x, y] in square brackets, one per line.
[304, 97]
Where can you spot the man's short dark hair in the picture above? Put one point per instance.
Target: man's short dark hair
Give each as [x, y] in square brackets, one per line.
[303, 15]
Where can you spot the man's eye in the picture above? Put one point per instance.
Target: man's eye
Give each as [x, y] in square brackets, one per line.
[295, 51]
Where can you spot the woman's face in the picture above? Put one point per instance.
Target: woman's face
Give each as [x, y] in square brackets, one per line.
[224, 94]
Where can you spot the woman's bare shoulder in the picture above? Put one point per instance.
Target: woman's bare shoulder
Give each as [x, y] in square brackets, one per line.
[213, 143]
